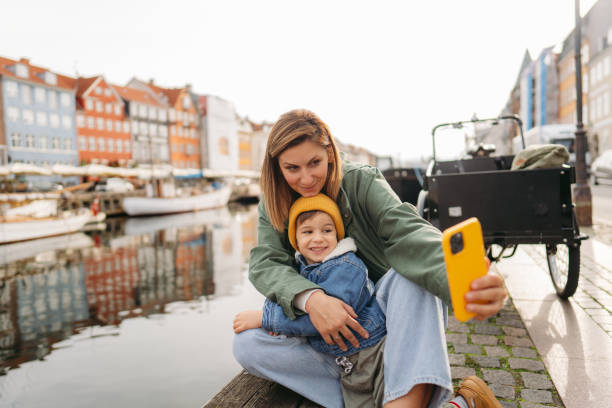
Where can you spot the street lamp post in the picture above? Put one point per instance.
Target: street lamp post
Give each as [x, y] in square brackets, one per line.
[582, 191]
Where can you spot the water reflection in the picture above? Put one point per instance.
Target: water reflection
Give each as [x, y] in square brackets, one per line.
[53, 288]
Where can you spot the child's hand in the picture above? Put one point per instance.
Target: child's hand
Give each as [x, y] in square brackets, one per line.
[249, 319]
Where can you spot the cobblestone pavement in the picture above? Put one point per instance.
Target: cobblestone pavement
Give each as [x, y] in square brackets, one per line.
[499, 351]
[594, 293]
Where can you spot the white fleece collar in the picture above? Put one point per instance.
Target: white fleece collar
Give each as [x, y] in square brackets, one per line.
[344, 245]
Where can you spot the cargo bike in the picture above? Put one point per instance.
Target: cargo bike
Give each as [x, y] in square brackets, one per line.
[514, 206]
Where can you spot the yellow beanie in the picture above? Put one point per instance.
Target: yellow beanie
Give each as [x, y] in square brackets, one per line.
[319, 202]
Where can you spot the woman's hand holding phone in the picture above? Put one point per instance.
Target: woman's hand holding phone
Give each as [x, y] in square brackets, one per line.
[474, 293]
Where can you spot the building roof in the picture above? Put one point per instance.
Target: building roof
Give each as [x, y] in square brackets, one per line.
[169, 95]
[137, 95]
[35, 73]
[594, 25]
[526, 62]
[83, 84]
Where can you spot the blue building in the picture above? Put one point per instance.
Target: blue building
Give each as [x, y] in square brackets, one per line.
[37, 115]
[539, 91]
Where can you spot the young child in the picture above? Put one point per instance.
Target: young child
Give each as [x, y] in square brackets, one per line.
[328, 259]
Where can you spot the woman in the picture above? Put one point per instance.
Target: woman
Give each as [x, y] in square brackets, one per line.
[403, 255]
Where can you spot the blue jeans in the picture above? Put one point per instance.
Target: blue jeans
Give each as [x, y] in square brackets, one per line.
[415, 351]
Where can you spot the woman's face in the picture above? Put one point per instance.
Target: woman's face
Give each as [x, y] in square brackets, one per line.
[304, 167]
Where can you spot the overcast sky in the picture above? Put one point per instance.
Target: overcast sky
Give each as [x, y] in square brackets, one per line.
[380, 73]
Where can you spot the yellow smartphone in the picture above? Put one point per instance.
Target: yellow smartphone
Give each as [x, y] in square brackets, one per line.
[464, 255]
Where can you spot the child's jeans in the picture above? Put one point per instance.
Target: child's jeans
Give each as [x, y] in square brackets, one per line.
[415, 350]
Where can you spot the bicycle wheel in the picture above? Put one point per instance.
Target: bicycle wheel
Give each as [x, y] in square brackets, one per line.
[564, 267]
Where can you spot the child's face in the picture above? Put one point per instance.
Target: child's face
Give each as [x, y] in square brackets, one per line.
[316, 237]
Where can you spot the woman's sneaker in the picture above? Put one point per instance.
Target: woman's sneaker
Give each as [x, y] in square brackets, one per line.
[477, 394]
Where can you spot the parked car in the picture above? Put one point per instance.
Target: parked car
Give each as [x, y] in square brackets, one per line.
[115, 185]
[602, 167]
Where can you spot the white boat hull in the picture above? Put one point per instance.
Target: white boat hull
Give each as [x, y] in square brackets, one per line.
[32, 229]
[157, 205]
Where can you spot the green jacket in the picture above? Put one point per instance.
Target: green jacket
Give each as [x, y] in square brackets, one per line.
[387, 232]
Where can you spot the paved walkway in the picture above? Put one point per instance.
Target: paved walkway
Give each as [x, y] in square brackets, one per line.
[573, 338]
[500, 351]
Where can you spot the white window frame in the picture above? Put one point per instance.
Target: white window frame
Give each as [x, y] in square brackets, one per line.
[26, 94]
[100, 123]
[28, 116]
[89, 105]
[50, 78]
[80, 119]
[101, 144]
[52, 97]
[82, 143]
[92, 143]
[91, 122]
[16, 139]
[41, 118]
[43, 142]
[29, 141]
[12, 89]
[65, 100]
[22, 71]
[67, 122]
[12, 113]
[40, 95]
[54, 120]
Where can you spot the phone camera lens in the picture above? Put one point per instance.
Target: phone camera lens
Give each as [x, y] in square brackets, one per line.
[456, 243]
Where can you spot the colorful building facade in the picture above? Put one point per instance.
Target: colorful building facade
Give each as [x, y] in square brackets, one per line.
[38, 115]
[148, 117]
[184, 137]
[103, 132]
[219, 133]
[539, 88]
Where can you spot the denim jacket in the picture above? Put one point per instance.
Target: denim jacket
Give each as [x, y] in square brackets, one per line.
[342, 275]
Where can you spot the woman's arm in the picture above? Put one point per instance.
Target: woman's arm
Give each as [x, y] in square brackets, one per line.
[413, 248]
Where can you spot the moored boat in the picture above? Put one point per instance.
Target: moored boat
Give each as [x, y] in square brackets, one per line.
[25, 228]
[167, 205]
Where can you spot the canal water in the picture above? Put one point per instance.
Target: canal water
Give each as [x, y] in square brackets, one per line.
[136, 315]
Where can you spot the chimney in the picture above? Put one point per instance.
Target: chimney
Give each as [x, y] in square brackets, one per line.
[25, 61]
[151, 81]
[188, 87]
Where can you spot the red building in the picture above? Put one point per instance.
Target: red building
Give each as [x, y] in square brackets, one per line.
[103, 133]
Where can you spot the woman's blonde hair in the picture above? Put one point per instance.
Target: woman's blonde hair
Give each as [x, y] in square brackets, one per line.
[292, 129]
